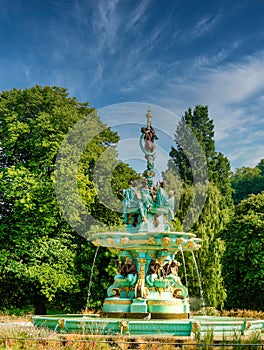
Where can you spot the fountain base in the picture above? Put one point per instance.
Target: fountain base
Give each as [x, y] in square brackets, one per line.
[96, 325]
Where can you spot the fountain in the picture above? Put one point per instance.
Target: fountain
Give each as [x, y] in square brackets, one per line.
[147, 296]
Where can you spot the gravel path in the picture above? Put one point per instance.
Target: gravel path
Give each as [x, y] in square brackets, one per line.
[16, 324]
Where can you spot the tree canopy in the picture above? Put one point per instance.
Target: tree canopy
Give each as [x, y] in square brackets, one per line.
[246, 181]
[39, 251]
[244, 257]
[204, 173]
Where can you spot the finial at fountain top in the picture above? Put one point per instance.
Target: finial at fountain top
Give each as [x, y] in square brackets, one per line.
[149, 116]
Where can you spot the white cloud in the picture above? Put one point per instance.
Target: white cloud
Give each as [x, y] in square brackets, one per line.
[110, 24]
[248, 155]
[199, 28]
[234, 94]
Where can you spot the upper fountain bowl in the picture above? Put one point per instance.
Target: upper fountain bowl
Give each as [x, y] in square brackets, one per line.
[171, 241]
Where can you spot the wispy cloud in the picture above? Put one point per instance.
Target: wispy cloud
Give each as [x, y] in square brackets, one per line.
[218, 57]
[248, 155]
[136, 14]
[111, 22]
[234, 93]
[105, 25]
[226, 85]
[202, 26]
[236, 82]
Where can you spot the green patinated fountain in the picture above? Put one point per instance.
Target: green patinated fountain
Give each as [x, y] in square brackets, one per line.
[147, 296]
[147, 283]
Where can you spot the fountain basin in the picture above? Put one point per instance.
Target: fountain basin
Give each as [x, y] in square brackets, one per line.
[172, 241]
[88, 324]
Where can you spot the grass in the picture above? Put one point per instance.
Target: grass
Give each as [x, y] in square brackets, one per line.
[243, 313]
[240, 313]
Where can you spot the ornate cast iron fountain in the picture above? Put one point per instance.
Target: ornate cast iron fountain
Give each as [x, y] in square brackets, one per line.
[147, 283]
[147, 296]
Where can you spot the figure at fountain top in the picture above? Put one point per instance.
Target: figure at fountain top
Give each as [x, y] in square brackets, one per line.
[147, 145]
[149, 134]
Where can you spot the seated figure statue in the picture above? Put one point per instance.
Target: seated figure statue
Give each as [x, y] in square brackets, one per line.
[146, 197]
[153, 272]
[164, 202]
[171, 205]
[133, 202]
[161, 196]
[126, 277]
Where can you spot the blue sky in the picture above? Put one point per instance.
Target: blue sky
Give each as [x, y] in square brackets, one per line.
[171, 53]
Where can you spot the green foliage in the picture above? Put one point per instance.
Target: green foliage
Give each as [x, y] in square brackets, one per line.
[210, 224]
[260, 165]
[37, 245]
[208, 311]
[244, 257]
[193, 170]
[194, 124]
[247, 181]
[40, 254]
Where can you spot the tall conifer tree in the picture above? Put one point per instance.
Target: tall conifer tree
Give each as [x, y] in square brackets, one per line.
[218, 205]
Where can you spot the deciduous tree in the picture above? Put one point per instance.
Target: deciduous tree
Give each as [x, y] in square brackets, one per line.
[246, 181]
[244, 256]
[39, 253]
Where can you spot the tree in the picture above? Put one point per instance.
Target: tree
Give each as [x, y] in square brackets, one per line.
[194, 124]
[260, 165]
[244, 256]
[36, 255]
[204, 173]
[246, 180]
[39, 250]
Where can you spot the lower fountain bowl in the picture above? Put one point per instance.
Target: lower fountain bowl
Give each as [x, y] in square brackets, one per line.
[93, 324]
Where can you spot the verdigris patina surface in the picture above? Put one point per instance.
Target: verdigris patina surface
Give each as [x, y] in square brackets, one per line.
[147, 282]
